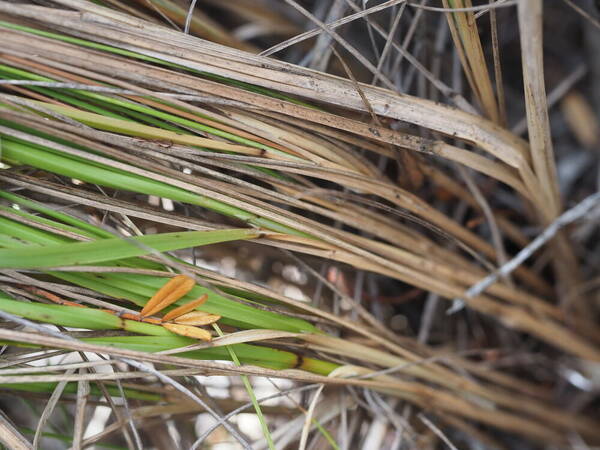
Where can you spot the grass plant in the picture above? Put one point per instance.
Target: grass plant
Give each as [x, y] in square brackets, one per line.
[104, 108]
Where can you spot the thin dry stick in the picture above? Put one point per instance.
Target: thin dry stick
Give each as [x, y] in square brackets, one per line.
[583, 13]
[437, 431]
[388, 41]
[188, 17]
[335, 36]
[571, 215]
[331, 25]
[501, 257]
[248, 405]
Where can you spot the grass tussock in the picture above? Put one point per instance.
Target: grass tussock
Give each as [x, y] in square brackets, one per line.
[137, 158]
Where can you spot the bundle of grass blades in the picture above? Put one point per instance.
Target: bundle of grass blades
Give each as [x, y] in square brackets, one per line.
[104, 109]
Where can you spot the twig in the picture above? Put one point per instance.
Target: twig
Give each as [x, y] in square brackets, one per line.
[583, 13]
[188, 17]
[571, 215]
[437, 431]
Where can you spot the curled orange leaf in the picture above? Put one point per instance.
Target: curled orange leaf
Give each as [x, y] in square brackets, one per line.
[172, 291]
[131, 316]
[188, 331]
[183, 309]
[196, 318]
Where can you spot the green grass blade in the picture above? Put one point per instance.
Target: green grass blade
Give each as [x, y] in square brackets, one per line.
[18, 152]
[251, 394]
[80, 253]
[139, 288]
[71, 388]
[78, 317]
[58, 215]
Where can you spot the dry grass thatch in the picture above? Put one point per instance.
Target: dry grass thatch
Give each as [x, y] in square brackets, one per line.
[375, 177]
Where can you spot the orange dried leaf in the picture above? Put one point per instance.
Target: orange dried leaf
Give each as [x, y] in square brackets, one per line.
[163, 292]
[50, 296]
[183, 309]
[128, 316]
[172, 291]
[188, 331]
[132, 316]
[172, 298]
[70, 303]
[152, 320]
[197, 318]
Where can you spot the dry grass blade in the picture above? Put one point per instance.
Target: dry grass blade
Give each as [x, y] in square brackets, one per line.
[414, 392]
[309, 417]
[333, 209]
[464, 31]
[10, 437]
[498, 68]
[333, 90]
[542, 154]
[49, 409]
[530, 25]
[83, 392]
